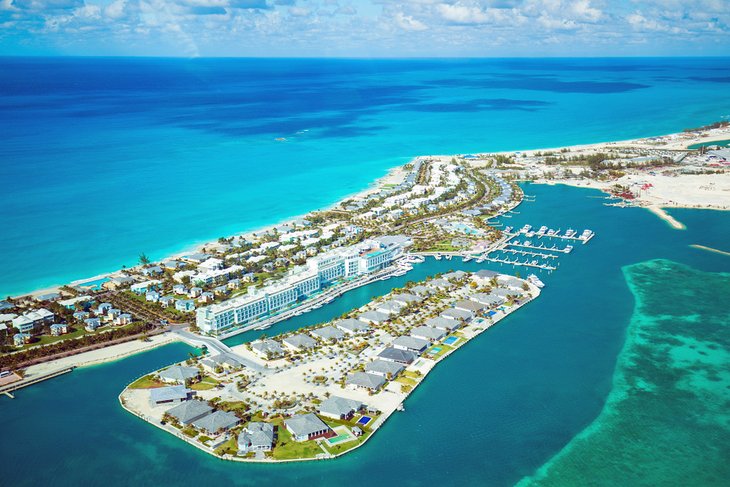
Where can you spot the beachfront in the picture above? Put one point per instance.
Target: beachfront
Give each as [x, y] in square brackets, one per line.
[324, 390]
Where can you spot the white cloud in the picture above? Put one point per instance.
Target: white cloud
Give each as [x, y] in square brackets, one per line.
[407, 22]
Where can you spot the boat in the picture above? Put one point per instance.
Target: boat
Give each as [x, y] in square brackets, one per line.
[466, 258]
[568, 249]
[586, 234]
[570, 233]
[530, 234]
[449, 257]
[525, 229]
[437, 256]
[508, 229]
[542, 230]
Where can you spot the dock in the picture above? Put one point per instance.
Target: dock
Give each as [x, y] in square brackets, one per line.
[10, 388]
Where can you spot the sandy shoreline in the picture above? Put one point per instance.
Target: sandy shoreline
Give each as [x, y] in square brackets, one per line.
[107, 354]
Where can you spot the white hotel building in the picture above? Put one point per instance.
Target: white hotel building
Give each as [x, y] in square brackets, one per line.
[299, 283]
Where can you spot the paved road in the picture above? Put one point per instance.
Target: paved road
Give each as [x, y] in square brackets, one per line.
[215, 347]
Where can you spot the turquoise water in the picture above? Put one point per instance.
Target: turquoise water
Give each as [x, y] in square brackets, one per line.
[105, 159]
[504, 404]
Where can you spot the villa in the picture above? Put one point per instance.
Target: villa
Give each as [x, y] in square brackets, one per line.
[189, 411]
[59, 329]
[178, 374]
[406, 298]
[91, 324]
[267, 348]
[256, 436]
[328, 334]
[185, 305]
[396, 355]
[384, 368]
[373, 317]
[412, 344]
[363, 380]
[457, 314]
[123, 319]
[339, 408]
[421, 290]
[428, 333]
[468, 305]
[28, 321]
[389, 308]
[305, 427]
[300, 343]
[20, 339]
[216, 422]
[440, 284]
[352, 326]
[483, 276]
[443, 323]
[169, 394]
[487, 299]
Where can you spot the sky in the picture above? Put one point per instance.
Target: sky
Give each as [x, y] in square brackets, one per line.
[365, 28]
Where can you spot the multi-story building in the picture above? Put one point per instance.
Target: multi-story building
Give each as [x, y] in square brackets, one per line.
[299, 283]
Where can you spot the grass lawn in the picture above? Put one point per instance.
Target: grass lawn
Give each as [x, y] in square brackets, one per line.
[406, 380]
[233, 406]
[412, 374]
[205, 384]
[344, 446]
[230, 447]
[444, 349]
[190, 431]
[146, 382]
[287, 448]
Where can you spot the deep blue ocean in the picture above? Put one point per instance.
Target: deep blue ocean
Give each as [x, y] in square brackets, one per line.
[102, 159]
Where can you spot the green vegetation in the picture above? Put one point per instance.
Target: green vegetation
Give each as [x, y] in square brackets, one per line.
[146, 382]
[206, 383]
[286, 448]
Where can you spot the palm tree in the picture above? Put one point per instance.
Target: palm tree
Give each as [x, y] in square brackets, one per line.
[143, 259]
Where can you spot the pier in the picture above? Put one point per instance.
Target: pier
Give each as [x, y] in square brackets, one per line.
[542, 246]
[29, 381]
[532, 254]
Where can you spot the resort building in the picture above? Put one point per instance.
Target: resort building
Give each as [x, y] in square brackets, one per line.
[256, 436]
[305, 427]
[299, 283]
[32, 319]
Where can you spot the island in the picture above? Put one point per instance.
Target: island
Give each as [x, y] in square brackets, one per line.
[321, 391]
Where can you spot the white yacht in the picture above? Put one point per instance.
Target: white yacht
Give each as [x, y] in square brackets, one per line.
[536, 281]
[570, 233]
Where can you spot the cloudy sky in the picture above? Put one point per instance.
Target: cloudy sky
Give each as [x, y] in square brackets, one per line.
[365, 28]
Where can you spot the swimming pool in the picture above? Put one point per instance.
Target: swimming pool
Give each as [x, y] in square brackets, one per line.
[364, 420]
[337, 439]
[451, 340]
[434, 350]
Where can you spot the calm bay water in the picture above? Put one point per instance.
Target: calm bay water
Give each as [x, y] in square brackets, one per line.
[103, 159]
[491, 414]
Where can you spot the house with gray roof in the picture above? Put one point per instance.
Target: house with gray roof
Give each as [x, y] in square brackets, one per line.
[428, 333]
[443, 323]
[487, 299]
[391, 354]
[336, 407]
[267, 348]
[384, 368]
[439, 284]
[457, 314]
[169, 394]
[300, 342]
[413, 344]
[510, 282]
[373, 317]
[178, 374]
[505, 293]
[421, 290]
[454, 276]
[363, 380]
[390, 307]
[406, 298]
[328, 333]
[189, 411]
[217, 421]
[352, 326]
[469, 305]
[256, 436]
[483, 276]
[305, 427]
